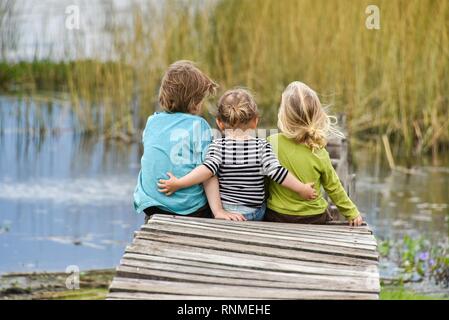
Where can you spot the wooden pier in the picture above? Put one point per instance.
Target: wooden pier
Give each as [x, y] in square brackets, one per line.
[193, 258]
[174, 257]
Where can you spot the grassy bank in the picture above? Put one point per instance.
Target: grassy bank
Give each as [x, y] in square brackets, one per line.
[94, 286]
[398, 293]
[390, 81]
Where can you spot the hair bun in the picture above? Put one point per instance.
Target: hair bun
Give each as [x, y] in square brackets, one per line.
[312, 131]
[236, 107]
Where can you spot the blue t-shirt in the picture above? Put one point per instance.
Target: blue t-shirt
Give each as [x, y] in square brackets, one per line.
[177, 143]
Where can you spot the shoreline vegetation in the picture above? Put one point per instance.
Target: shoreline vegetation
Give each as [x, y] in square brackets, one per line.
[94, 286]
[390, 82]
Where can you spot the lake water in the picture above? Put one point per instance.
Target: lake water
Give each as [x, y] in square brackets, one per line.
[66, 199]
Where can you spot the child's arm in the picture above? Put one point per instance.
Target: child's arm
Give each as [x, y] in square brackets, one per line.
[273, 169]
[305, 190]
[212, 190]
[198, 175]
[201, 174]
[332, 184]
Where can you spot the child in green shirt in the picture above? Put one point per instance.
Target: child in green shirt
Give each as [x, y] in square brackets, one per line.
[300, 149]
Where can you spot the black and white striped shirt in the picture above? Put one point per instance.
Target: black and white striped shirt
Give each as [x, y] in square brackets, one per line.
[241, 166]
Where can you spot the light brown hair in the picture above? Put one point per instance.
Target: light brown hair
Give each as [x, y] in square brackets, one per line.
[236, 108]
[301, 117]
[184, 87]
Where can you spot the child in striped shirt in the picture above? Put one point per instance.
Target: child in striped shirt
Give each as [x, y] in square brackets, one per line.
[240, 161]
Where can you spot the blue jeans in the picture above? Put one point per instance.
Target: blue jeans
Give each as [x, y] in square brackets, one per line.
[255, 214]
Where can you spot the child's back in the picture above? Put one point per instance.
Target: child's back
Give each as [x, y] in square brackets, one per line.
[241, 167]
[309, 166]
[174, 142]
[300, 149]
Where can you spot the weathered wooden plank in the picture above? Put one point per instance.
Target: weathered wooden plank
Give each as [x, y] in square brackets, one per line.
[209, 246]
[246, 237]
[336, 228]
[304, 234]
[143, 273]
[150, 270]
[202, 289]
[279, 238]
[299, 232]
[235, 271]
[158, 296]
[340, 229]
[183, 261]
[242, 260]
[257, 237]
[216, 263]
[343, 227]
[334, 150]
[212, 244]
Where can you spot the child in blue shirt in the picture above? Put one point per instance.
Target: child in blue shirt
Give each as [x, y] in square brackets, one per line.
[176, 140]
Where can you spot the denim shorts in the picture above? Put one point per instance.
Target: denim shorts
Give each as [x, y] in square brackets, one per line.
[255, 214]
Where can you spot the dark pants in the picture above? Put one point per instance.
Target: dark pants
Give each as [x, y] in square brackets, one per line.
[273, 216]
[203, 212]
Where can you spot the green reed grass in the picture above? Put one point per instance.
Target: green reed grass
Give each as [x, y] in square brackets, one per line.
[392, 81]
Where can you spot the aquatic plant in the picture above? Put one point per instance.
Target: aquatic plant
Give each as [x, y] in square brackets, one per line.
[400, 293]
[418, 259]
[384, 248]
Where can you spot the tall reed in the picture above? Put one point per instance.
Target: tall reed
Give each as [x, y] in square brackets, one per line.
[392, 81]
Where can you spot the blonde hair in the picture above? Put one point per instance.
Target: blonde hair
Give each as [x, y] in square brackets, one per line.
[236, 108]
[184, 87]
[302, 118]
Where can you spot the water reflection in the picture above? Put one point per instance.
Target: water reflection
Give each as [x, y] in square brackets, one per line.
[64, 198]
[396, 203]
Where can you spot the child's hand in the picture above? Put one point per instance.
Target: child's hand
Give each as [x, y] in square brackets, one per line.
[308, 192]
[356, 222]
[169, 186]
[224, 215]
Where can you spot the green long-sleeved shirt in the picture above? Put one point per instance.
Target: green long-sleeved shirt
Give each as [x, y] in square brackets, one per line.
[307, 166]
